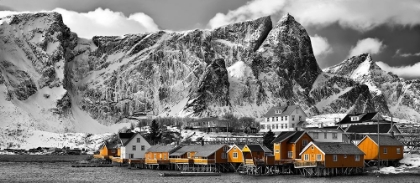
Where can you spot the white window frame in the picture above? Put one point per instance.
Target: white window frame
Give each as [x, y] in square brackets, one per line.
[334, 135]
[143, 148]
[356, 157]
[134, 148]
[138, 140]
[385, 150]
[326, 135]
[289, 154]
[335, 158]
[235, 155]
[398, 150]
[319, 157]
[306, 157]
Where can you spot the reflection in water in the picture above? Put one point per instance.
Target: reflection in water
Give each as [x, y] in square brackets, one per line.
[63, 172]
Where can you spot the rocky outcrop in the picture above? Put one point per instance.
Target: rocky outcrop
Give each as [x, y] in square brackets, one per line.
[211, 97]
[243, 68]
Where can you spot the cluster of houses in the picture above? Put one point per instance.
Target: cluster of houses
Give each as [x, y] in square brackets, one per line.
[357, 141]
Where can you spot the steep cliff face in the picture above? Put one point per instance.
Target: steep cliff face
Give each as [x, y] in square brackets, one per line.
[391, 94]
[243, 68]
[211, 97]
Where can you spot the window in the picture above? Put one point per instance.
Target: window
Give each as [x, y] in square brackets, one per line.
[300, 118]
[138, 140]
[290, 154]
[277, 151]
[225, 148]
[189, 154]
[334, 135]
[134, 148]
[312, 147]
[277, 126]
[285, 118]
[285, 126]
[273, 126]
[262, 127]
[277, 118]
[131, 156]
[315, 135]
[293, 125]
[318, 157]
[154, 156]
[385, 150]
[235, 155]
[224, 156]
[282, 118]
[334, 157]
[357, 158]
[345, 156]
[325, 135]
[272, 119]
[293, 117]
[268, 119]
[398, 151]
[306, 157]
[143, 148]
[164, 156]
[282, 126]
[304, 142]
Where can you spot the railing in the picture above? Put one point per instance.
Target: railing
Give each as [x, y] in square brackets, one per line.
[181, 160]
[204, 161]
[157, 161]
[309, 164]
[254, 161]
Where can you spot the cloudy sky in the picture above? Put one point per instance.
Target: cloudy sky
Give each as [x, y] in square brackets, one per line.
[339, 29]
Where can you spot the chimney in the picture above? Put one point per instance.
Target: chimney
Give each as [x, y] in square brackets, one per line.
[320, 125]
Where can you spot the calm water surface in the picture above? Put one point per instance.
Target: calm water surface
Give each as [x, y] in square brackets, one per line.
[63, 172]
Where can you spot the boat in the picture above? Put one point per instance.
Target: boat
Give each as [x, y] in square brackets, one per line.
[180, 174]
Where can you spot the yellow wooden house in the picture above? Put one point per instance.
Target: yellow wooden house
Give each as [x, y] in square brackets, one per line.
[288, 145]
[390, 148]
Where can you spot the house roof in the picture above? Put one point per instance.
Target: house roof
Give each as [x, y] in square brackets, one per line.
[283, 136]
[239, 146]
[126, 137]
[266, 149]
[363, 117]
[284, 110]
[201, 151]
[383, 128]
[207, 150]
[384, 140]
[162, 148]
[296, 136]
[323, 129]
[336, 148]
[291, 136]
[255, 148]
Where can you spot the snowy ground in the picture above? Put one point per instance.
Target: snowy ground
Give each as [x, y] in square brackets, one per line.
[409, 164]
[324, 119]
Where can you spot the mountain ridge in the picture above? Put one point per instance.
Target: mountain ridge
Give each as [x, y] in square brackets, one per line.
[250, 66]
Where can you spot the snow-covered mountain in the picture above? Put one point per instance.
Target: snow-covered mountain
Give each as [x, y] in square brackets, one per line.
[52, 80]
[401, 96]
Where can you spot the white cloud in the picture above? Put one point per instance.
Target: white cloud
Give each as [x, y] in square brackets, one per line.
[105, 22]
[251, 10]
[408, 72]
[368, 45]
[320, 45]
[398, 53]
[360, 15]
[102, 22]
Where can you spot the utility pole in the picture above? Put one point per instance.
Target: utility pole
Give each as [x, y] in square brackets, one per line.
[379, 147]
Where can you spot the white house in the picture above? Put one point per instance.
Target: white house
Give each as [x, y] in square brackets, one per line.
[134, 146]
[327, 134]
[283, 118]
